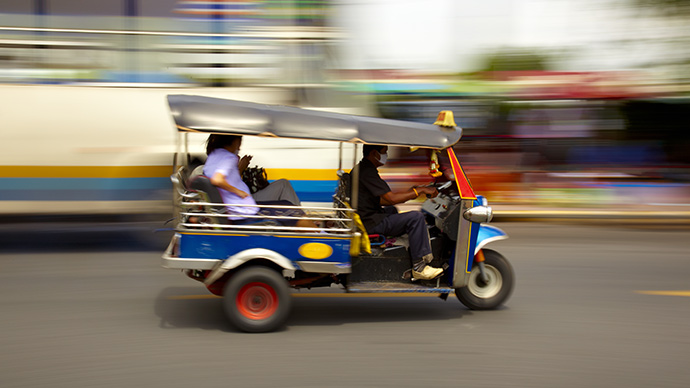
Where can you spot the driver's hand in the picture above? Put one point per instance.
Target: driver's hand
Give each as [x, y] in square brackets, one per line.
[428, 190]
[448, 174]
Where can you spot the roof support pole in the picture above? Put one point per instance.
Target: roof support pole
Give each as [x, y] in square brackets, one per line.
[355, 178]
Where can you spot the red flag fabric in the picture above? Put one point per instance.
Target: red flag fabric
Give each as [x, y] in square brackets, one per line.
[464, 185]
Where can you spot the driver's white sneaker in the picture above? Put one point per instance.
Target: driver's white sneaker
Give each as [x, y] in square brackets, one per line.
[427, 273]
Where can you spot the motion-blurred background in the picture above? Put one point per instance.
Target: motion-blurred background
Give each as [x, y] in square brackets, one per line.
[564, 103]
[575, 107]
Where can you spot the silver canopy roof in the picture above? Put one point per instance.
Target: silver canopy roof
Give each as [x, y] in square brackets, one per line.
[215, 115]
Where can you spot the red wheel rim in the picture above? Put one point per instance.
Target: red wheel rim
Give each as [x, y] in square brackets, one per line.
[257, 301]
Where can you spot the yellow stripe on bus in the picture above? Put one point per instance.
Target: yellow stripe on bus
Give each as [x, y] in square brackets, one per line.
[307, 174]
[146, 172]
[85, 171]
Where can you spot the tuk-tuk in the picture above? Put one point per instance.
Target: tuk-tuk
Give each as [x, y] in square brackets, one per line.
[253, 264]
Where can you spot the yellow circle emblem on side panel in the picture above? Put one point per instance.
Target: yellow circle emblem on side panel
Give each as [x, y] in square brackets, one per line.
[316, 251]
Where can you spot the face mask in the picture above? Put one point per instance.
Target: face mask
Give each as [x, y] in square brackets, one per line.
[383, 158]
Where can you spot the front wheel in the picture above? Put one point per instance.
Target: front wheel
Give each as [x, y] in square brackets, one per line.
[257, 299]
[480, 295]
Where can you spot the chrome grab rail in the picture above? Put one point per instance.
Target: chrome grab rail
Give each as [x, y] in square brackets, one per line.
[342, 232]
[349, 210]
[177, 184]
[226, 215]
[343, 225]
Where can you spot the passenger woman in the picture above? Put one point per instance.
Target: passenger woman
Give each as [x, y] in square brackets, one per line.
[224, 168]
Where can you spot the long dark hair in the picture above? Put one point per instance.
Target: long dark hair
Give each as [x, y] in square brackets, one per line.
[219, 141]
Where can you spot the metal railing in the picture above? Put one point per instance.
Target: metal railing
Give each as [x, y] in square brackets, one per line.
[333, 220]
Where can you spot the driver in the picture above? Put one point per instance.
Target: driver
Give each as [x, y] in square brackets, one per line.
[377, 219]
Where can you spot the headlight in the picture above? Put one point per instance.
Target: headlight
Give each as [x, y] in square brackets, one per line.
[478, 214]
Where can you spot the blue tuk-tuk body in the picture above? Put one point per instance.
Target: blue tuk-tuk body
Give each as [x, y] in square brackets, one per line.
[253, 263]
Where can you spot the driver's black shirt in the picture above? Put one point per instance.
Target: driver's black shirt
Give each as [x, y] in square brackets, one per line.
[371, 188]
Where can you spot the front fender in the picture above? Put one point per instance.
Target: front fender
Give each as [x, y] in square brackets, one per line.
[488, 234]
[240, 258]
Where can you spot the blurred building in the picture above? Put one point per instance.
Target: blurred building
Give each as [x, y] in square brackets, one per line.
[214, 43]
[560, 101]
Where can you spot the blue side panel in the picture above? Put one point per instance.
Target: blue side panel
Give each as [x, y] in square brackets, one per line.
[315, 191]
[478, 201]
[474, 232]
[218, 246]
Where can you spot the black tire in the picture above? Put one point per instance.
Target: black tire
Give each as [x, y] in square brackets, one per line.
[257, 299]
[480, 296]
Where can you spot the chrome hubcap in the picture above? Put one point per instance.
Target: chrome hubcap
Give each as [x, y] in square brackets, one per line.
[478, 288]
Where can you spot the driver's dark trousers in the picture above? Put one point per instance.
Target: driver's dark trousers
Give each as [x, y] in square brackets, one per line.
[412, 223]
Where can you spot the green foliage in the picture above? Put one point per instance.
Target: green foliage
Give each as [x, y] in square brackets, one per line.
[665, 7]
[515, 60]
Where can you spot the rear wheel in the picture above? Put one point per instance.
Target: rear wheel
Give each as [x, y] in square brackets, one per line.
[480, 295]
[257, 299]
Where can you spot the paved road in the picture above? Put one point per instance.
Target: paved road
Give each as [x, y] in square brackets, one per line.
[106, 315]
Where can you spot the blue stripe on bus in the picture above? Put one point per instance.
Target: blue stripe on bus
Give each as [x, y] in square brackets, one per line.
[84, 189]
[82, 195]
[125, 189]
[315, 191]
[84, 183]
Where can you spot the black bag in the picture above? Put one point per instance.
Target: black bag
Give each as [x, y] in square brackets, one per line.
[256, 178]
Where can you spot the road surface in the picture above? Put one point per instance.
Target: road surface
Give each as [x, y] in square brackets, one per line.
[593, 307]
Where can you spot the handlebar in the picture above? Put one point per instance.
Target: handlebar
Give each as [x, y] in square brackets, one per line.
[444, 186]
[438, 187]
